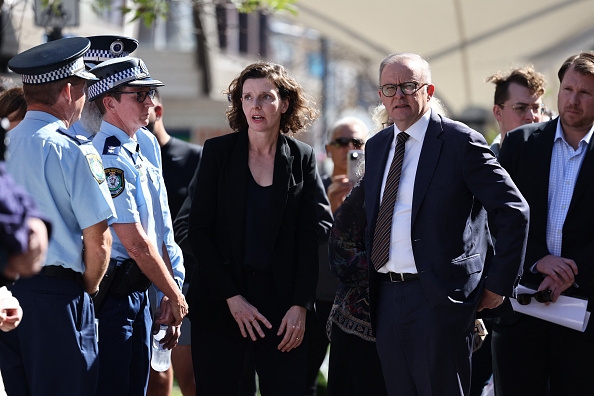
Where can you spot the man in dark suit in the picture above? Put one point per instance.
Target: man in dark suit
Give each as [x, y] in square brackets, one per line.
[432, 261]
[552, 164]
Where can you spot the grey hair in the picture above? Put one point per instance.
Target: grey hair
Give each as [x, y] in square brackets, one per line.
[345, 121]
[400, 56]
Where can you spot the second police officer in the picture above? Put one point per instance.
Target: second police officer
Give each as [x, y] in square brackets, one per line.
[123, 95]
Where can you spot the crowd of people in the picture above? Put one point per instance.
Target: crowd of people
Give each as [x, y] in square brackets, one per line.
[258, 265]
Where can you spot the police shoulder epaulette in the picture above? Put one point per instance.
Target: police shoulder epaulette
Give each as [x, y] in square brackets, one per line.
[112, 146]
[78, 139]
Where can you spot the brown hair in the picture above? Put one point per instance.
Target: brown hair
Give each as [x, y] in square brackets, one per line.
[48, 93]
[298, 116]
[582, 63]
[13, 100]
[526, 77]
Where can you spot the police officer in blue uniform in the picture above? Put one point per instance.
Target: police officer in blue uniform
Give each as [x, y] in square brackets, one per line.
[104, 48]
[55, 349]
[123, 95]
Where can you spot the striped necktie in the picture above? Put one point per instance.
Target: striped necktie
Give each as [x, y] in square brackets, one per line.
[380, 250]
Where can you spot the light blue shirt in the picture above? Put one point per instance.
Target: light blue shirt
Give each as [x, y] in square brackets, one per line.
[77, 129]
[65, 177]
[565, 167]
[149, 146]
[131, 181]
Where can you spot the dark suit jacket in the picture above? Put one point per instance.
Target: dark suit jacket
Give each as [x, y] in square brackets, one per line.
[457, 181]
[526, 155]
[217, 228]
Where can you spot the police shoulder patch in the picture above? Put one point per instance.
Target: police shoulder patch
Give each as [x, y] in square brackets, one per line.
[96, 167]
[115, 181]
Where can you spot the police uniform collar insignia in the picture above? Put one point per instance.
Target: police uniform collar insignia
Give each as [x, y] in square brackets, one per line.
[115, 181]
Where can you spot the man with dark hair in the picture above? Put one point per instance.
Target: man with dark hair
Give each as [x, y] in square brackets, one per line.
[64, 174]
[552, 164]
[517, 100]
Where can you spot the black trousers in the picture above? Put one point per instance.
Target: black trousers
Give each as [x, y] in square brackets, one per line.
[317, 343]
[420, 354]
[532, 354]
[354, 368]
[226, 366]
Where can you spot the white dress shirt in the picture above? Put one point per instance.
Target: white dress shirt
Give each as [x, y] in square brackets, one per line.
[401, 253]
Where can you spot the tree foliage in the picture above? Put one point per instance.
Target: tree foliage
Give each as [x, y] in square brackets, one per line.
[150, 10]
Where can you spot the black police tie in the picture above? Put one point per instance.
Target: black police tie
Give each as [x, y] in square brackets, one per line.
[380, 250]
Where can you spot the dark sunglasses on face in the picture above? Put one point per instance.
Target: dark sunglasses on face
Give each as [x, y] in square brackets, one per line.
[542, 296]
[140, 95]
[344, 142]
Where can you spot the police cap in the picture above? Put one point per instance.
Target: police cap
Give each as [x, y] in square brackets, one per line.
[52, 61]
[127, 71]
[108, 47]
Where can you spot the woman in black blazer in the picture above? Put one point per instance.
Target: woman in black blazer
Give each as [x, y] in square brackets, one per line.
[253, 232]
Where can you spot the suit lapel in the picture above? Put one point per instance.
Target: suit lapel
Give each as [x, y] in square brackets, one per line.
[427, 163]
[541, 164]
[281, 181]
[235, 188]
[584, 176]
[374, 173]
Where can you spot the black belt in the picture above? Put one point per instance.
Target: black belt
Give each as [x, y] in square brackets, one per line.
[55, 271]
[397, 277]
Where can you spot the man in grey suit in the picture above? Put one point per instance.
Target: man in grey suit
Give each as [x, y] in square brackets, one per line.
[431, 254]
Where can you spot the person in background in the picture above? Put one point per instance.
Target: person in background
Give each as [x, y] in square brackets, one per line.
[517, 100]
[13, 107]
[253, 231]
[346, 134]
[103, 48]
[139, 254]
[552, 164]
[180, 160]
[64, 175]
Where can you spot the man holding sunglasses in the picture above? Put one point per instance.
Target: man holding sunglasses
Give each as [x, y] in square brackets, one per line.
[429, 183]
[124, 96]
[517, 100]
[552, 164]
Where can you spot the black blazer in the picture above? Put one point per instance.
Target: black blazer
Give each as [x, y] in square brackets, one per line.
[217, 228]
[457, 181]
[526, 154]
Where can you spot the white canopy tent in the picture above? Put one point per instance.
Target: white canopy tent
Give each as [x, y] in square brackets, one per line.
[464, 41]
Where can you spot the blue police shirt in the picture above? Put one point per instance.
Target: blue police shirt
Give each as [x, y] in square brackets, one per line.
[77, 129]
[65, 177]
[152, 152]
[130, 179]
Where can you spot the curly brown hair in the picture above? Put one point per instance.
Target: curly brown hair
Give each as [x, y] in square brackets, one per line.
[298, 116]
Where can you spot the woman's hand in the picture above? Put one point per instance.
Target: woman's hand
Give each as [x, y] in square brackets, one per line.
[293, 325]
[247, 317]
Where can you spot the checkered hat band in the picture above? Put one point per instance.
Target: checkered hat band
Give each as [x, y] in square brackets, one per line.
[65, 71]
[102, 55]
[102, 86]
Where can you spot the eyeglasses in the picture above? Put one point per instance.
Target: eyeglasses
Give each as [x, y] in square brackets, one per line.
[542, 296]
[344, 142]
[140, 95]
[522, 108]
[407, 88]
